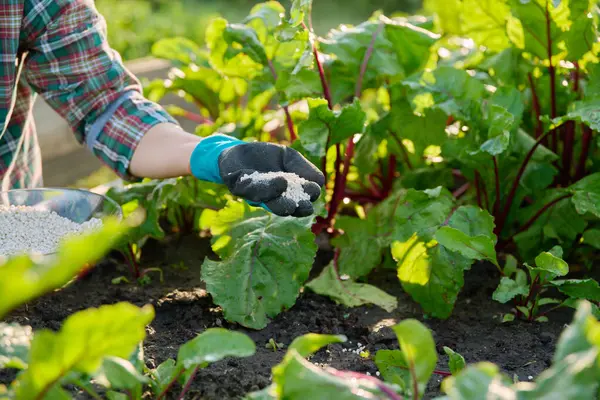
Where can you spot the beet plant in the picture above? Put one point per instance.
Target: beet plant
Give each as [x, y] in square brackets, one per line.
[447, 139]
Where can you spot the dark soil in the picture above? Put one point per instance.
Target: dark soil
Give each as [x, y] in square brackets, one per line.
[184, 309]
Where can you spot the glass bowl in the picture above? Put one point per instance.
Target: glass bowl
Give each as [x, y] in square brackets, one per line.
[75, 204]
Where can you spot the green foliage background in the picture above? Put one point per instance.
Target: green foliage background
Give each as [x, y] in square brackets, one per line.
[135, 25]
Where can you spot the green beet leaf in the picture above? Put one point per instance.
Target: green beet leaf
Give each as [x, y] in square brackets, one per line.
[591, 237]
[575, 377]
[535, 19]
[476, 248]
[508, 289]
[297, 379]
[581, 334]
[411, 43]
[418, 348]
[246, 37]
[179, 51]
[456, 362]
[479, 381]
[122, 375]
[582, 32]
[362, 240]
[430, 273]
[552, 263]
[585, 111]
[322, 123]
[308, 344]
[265, 261]
[84, 340]
[394, 368]
[300, 9]
[163, 375]
[470, 232]
[587, 289]
[269, 13]
[350, 293]
[420, 212]
[15, 341]
[213, 345]
[24, 279]
[350, 45]
[231, 61]
[574, 373]
[298, 86]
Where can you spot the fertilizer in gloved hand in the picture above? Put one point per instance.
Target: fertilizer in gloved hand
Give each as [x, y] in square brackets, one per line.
[25, 229]
[294, 191]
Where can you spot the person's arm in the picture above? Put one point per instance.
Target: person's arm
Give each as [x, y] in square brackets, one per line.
[164, 152]
[71, 65]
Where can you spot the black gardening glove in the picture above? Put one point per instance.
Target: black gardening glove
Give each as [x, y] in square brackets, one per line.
[224, 159]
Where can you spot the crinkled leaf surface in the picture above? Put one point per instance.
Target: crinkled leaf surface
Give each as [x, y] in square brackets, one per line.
[470, 232]
[430, 273]
[529, 31]
[178, 50]
[476, 248]
[420, 212]
[585, 111]
[84, 340]
[350, 293]
[23, 279]
[552, 264]
[265, 261]
[393, 367]
[587, 289]
[582, 31]
[213, 345]
[508, 289]
[15, 341]
[323, 123]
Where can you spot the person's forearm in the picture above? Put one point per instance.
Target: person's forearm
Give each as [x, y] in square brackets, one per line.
[163, 152]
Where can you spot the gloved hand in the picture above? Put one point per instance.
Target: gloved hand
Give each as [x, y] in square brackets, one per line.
[224, 159]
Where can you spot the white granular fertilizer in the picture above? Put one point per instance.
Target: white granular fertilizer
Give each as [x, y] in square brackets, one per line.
[26, 229]
[294, 191]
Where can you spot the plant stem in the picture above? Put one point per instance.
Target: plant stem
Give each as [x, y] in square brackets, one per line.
[340, 184]
[188, 384]
[567, 156]
[461, 190]
[478, 190]
[133, 261]
[585, 149]
[576, 77]
[511, 196]
[497, 183]
[170, 385]
[365, 61]
[538, 214]
[402, 149]
[552, 72]
[286, 110]
[536, 107]
[390, 176]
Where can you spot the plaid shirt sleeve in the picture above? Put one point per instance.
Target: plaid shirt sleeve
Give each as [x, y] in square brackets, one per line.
[71, 65]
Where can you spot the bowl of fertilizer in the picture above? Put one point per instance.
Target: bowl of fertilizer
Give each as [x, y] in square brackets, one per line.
[35, 221]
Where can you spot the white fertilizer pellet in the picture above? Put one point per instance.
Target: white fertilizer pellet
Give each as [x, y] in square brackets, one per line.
[26, 229]
[294, 191]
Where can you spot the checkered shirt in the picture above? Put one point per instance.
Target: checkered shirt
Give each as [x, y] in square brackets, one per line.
[68, 62]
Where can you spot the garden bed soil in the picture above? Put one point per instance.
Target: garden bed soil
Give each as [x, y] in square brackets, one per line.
[184, 309]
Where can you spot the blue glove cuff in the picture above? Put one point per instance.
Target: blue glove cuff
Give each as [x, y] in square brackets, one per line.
[204, 161]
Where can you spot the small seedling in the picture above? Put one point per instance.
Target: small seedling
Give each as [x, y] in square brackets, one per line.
[272, 344]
